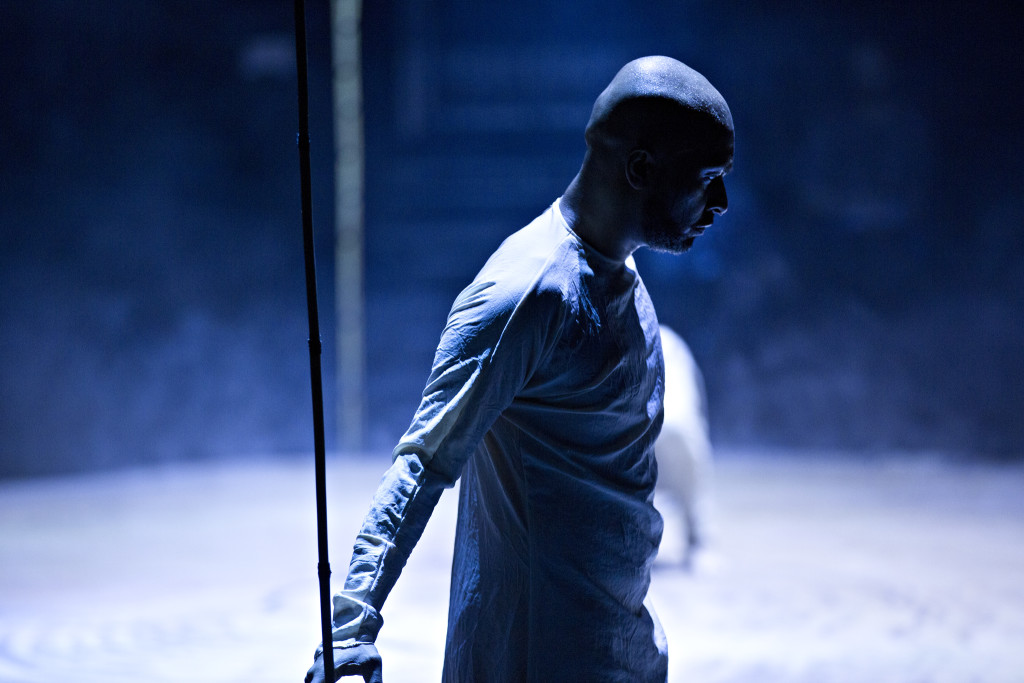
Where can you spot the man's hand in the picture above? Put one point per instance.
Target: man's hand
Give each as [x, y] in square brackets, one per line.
[358, 660]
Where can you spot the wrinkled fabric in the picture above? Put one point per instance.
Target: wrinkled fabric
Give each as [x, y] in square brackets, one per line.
[546, 397]
[401, 507]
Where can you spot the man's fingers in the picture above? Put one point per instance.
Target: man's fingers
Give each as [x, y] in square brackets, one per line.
[359, 660]
[371, 664]
[375, 676]
[316, 672]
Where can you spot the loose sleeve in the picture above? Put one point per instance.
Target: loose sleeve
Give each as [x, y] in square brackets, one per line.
[489, 347]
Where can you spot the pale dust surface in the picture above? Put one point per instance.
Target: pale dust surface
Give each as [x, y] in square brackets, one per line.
[822, 569]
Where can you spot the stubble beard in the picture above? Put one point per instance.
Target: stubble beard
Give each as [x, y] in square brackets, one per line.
[661, 240]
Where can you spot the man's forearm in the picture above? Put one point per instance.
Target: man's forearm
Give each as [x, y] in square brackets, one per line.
[401, 507]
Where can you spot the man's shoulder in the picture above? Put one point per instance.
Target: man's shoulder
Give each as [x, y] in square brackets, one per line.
[532, 276]
[541, 258]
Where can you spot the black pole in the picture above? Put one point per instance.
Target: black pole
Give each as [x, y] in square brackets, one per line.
[315, 375]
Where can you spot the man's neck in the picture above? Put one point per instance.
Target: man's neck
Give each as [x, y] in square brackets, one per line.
[593, 217]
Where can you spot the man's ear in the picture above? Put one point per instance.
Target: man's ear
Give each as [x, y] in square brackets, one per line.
[639, 167]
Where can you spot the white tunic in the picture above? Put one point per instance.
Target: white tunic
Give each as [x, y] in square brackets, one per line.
[546, 397]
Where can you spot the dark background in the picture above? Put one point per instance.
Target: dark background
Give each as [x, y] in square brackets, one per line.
[865, 292]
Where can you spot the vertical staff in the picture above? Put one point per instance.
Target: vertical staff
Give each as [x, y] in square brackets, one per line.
[315, 374]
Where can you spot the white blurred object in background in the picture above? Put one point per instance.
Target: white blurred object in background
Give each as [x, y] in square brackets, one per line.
[684, 455]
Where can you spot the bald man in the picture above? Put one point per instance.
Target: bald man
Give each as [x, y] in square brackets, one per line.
[545, 397]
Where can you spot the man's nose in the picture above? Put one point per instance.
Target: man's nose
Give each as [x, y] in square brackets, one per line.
[718, 200]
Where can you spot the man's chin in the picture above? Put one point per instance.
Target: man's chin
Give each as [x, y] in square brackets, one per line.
[678, 245]
[671, 238]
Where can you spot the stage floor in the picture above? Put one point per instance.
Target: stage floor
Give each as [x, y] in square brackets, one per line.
[824, 570]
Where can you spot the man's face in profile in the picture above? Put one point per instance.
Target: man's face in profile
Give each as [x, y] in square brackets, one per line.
[687, 192]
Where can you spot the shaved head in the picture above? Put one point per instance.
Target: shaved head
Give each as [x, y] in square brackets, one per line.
[658, 104]
[659, 144]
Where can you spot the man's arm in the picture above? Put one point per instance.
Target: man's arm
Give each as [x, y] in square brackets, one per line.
[401, 507]
[486, 352]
